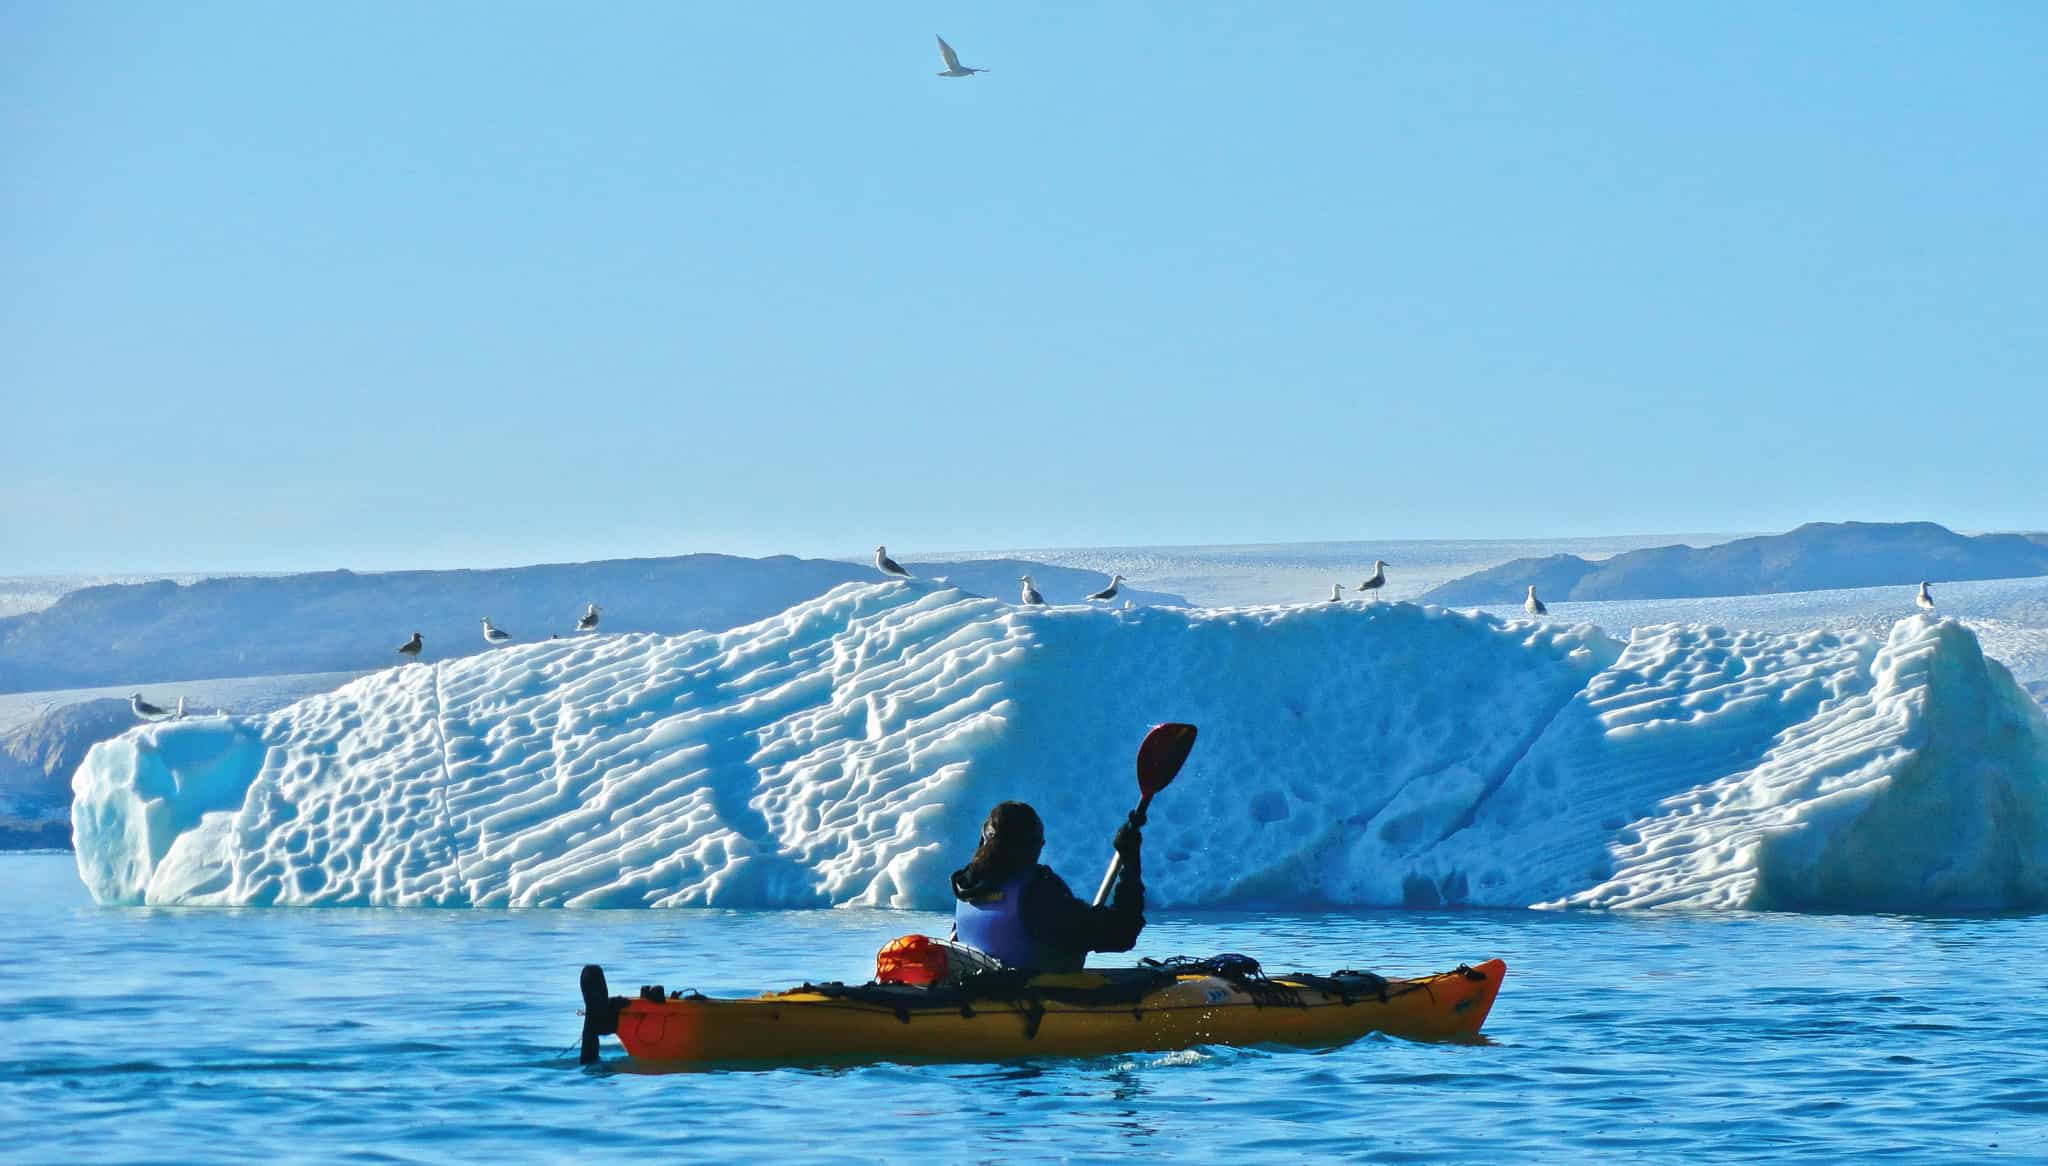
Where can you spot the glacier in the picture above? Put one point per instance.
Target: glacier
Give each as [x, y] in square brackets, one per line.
[844, 752]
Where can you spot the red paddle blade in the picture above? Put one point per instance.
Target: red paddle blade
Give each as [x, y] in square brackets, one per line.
[1161, 756]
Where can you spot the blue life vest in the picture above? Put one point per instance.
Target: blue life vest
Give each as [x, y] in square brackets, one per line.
[996, 924]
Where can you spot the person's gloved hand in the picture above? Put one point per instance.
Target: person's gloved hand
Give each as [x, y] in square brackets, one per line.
[1128, 838]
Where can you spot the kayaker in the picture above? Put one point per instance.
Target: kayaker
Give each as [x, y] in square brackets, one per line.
[1019, 911]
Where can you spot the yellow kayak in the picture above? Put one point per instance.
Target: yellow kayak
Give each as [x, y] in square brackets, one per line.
[1081, 1014]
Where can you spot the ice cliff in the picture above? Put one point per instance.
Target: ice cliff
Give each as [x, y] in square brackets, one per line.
[845, 751]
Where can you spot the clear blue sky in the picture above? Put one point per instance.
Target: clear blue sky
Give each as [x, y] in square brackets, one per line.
[391, 285]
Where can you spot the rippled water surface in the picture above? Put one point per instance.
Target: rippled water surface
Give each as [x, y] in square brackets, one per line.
[378, 1036]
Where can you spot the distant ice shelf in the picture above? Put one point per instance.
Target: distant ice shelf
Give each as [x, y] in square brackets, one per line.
[844, 752]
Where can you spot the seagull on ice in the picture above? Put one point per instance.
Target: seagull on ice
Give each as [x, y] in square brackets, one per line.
[953, 66]
[494, 634]
[1924, 600]
[589, 621]
[889, 566]
[1031, 594]
[411, 648]
[1108, 592]
[153, 712]
[1533, 605]
[1378, 580]
[1336, 593]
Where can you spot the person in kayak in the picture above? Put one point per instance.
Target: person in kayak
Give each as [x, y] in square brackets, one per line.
[1019, 911]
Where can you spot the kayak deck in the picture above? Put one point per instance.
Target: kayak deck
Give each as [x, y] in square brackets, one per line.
[1090, 1013]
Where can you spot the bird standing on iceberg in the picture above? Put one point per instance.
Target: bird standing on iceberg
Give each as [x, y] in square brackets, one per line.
[953, 66]
[411, 648]
[1378, 580]
[494, 634]
[889, 566]
[1108, 592]
[1925, 600]
[1336, 593]
[1031, 595]
[155, 712]
[1533, 605]
[589, 621]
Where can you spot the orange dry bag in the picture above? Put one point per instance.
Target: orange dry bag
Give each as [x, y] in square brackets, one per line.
[911, 959]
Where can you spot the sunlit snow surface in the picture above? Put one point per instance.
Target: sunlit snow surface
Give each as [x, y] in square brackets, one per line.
[844, 752]
[2008, 616]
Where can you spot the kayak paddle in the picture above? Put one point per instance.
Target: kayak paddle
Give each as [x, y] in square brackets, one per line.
[1159, 759]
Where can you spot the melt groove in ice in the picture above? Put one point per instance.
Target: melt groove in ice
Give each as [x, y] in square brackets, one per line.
[844, 752]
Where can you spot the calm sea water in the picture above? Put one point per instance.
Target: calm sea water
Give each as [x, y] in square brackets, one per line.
[434, 1036]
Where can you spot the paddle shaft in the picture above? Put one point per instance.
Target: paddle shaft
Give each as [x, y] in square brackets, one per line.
[1116, 861]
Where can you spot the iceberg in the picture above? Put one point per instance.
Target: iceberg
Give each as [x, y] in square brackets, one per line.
[844, 751]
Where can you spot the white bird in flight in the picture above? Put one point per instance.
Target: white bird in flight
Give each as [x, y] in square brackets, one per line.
[1378, 580]
[1533, 605]
[589, 621]
[953, 66]
[1031, 595]
[411, 648]
[1108, 592]
[889, 566]
[1924, 600]
[494, 634]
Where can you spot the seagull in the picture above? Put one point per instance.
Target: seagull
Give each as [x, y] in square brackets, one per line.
[1031, 594]
[494, 634]
[589, 621]
[1108, 592]
[1533, 605]
[953, 66]
[1336, 593]
[1925, 600]
[153, 712]
[411, 648]
[889, 566]
[1378, 580]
